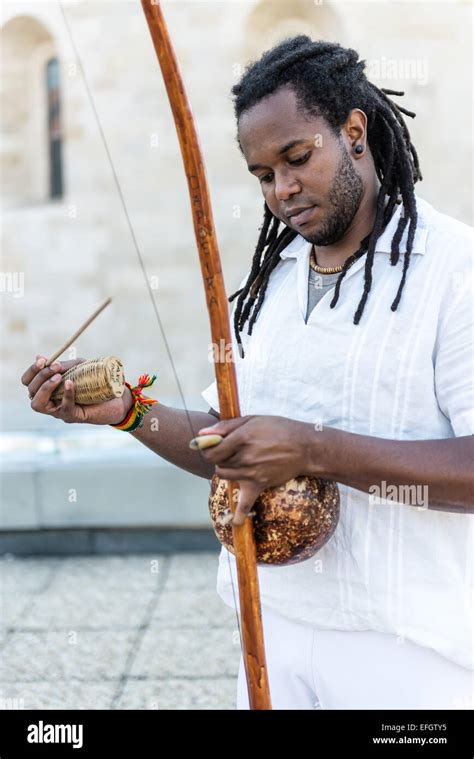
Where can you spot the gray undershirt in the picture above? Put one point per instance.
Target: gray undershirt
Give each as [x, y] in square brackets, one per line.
[318, 285]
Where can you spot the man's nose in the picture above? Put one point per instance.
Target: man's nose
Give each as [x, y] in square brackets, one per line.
[285, 186]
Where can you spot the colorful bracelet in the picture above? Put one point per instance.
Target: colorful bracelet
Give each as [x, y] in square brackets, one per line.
[141, 405]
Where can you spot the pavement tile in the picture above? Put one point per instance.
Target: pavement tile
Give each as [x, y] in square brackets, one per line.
[12, 608]
[133, 573]
[24, 575]
[179, 694]
[187, 652]
[92, 607]
[85, 655]
[193, 570]
[195, 607]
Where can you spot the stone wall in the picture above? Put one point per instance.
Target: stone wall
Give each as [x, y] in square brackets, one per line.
[75, 252]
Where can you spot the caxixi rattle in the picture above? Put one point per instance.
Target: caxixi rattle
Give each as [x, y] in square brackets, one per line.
[95, 381]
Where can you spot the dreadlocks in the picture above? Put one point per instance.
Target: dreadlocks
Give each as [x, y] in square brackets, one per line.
[328, 80]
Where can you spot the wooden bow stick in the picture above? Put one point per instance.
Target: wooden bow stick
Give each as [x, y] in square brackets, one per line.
[244, 540]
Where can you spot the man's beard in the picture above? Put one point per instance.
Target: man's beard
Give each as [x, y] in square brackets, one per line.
[344, 197]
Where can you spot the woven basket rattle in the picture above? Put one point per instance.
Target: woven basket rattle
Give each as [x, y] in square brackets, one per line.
[95, 381]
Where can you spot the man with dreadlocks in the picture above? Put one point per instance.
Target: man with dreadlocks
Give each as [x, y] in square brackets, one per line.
[382, 617]
[356, 367]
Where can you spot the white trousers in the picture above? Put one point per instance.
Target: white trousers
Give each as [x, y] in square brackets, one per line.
[332, 669]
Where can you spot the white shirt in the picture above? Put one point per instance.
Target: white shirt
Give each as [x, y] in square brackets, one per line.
[403, 375]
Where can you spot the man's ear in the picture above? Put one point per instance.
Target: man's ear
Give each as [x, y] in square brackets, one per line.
[355, 130]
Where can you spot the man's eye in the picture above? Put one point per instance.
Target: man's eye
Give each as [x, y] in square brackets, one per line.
[299, 161]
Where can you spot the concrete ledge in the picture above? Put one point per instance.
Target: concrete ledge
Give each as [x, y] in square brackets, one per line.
[94, 479]
[110, 541]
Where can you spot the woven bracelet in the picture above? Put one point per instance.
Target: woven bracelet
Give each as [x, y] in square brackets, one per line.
[140, 407]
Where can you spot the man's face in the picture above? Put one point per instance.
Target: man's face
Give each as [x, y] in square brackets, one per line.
[301, 163]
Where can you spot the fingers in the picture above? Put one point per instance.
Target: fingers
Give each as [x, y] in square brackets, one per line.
[42, 381]
[42, 376]
[33, 370]
[68, 404]
[227, 450]
[234, 437]
[37, 373]
[42, 399]
[67, 410]
[248, 494]
[204, 442]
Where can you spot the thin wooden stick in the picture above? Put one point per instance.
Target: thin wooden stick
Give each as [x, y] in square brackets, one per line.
[79, 331]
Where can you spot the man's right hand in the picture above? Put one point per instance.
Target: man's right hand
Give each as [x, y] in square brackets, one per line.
[42, 382]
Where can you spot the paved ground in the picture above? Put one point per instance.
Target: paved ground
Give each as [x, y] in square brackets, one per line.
[116, 632]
